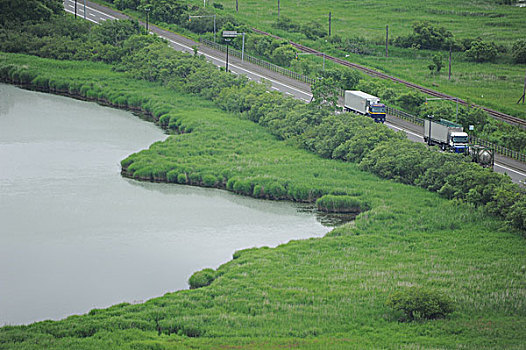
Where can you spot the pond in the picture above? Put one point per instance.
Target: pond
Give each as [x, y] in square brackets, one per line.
[75, 235]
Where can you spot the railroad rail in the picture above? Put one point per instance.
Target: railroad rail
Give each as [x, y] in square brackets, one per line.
[496, 114]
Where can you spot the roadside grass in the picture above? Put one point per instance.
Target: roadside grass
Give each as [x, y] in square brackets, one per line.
[328, 292]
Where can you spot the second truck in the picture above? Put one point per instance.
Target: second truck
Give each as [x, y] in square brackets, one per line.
[447, 135]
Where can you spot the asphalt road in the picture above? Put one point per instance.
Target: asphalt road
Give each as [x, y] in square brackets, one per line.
[97, 13]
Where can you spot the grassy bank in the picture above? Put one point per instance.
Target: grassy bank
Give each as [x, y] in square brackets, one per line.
[328, 292]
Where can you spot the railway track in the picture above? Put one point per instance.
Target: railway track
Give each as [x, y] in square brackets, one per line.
[496, 114]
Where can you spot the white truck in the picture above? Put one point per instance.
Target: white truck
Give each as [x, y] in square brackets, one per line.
[447, 135]
[362, 103]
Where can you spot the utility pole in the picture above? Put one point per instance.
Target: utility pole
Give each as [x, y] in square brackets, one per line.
[227, 40]
[75, 8]
[387, 40]
[84, 9]
[330, 15]
[523, 92]
[147, 19]
[243, 49]
[449, 76]
[278, 8]
[237, 6]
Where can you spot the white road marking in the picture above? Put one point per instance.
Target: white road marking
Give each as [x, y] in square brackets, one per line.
[505, 167]
[89, 19]
[406, 131]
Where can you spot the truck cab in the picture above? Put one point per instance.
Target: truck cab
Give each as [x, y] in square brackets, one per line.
[377, 112]
[458, 142]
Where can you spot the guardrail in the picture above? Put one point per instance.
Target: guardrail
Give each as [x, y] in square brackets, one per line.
[390, 110]
[259, 62]
[403, 115]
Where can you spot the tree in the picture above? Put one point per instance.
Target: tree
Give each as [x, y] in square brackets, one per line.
[283, 55]
[473, 116]
[325, 93]
[115, 32]
[29, 10]
[426, 36]
[482, 51]
[410, 101]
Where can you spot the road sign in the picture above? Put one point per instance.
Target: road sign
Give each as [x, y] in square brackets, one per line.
[230, 34]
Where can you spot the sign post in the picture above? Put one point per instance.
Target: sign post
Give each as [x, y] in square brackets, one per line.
[228, 35]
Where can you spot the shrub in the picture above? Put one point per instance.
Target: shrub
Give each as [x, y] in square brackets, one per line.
[418, 303]
[202, 278]
[313, 30]
[426, 36]
[482, 51]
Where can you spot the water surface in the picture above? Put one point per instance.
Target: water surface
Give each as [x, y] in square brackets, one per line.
[75, 235]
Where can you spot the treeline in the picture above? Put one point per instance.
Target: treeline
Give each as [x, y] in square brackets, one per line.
[310, 126]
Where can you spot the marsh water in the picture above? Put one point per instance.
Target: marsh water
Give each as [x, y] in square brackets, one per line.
[75, 235]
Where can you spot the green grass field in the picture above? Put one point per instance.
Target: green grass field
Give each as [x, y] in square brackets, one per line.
[317, 293]
[494, 85]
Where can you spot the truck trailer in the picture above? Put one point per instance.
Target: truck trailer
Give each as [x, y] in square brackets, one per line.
[365, 104]
[447, 135]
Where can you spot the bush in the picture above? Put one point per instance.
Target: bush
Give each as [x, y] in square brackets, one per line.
[313, 30]
[426, 36]
[418, 303]
[202, 278]
[482, 51]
